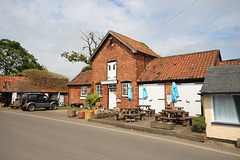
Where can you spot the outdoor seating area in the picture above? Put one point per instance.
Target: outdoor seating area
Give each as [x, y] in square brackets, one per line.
[132, 114]
[174, 115]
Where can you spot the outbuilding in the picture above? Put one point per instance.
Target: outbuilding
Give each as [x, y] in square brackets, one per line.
[221, 102]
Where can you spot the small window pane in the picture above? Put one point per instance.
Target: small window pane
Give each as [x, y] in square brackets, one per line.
[83, 91]
[99, 90]
[125, 89]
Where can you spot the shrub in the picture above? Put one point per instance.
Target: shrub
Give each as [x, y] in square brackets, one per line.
[87, 68]
[199, 124]
[91, 99]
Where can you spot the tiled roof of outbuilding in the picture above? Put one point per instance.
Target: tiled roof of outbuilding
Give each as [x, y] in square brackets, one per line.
[180, 67]
[9, 83]
[230, 62]
[83, 78]
[22, 84]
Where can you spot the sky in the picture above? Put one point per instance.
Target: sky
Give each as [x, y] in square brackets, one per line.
[47, 28]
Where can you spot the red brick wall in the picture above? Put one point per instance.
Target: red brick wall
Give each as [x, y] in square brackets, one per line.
[168, 86]
[129, 67]
[74, 94]
[66, 99]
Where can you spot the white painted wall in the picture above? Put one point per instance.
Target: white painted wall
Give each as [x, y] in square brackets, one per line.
[156, 96]
[189, 99]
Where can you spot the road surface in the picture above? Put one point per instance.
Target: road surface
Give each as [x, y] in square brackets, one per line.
[46, 135]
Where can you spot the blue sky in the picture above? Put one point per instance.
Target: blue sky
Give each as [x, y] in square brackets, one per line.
[48, 28]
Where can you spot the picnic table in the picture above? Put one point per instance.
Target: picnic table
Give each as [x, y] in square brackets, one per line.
[148, 112]
[177, 115]
[129, 114]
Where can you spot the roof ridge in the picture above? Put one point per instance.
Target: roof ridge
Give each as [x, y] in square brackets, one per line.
[186, 54]
[231, 60]
[141, 43]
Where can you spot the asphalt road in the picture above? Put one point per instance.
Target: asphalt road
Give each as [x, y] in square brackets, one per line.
[46, 135]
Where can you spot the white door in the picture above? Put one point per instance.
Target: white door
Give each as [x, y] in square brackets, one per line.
[189, 98]
[112, 103]
[156, 96]
[111, 70]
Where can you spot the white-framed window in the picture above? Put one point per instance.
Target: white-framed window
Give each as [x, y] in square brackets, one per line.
[83, 91]
[226, 108]
[99, 89]
[125, 89]
[112, 70]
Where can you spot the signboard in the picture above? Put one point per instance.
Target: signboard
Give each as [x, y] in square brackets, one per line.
[169, 99]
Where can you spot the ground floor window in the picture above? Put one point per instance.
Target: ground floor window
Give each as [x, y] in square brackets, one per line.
[226, 108]
[125, 89]
[83, 91]
[99, 90]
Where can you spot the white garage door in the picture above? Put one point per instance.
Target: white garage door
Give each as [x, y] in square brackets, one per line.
[189, 98]
[156, 96]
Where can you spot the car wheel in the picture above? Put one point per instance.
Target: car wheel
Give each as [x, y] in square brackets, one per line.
[31, 107]
[54, 106]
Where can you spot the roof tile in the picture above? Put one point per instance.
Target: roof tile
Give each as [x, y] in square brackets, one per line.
[83, 78]
[179, 67]
[137, 45]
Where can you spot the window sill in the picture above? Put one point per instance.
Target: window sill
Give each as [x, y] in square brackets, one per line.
[227, 123]
[125, 96]
[82, 97]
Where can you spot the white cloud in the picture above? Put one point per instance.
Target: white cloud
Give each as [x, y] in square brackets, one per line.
[48, 28]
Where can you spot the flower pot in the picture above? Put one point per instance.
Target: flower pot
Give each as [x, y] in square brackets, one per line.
[96, 111]
[88, 114]
[72, 113]
[81, 114]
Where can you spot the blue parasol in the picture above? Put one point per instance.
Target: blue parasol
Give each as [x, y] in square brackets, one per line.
[58, 96]
[145, 95]
[130, 98]
[175, 94]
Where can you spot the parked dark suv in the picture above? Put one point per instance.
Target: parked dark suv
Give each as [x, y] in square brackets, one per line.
[30, 101]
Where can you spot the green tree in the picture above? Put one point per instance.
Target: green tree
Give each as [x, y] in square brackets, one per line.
[91, 40]
[14, 58]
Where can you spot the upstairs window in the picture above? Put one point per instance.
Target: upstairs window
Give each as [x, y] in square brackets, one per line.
[111, 70]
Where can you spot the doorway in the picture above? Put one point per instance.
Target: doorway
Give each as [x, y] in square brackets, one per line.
[112, 95]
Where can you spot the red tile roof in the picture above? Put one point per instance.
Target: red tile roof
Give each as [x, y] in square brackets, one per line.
[134, 46]
[180, 67]
[83, 78]
[9, 83]
[22, 84]
[137, 45]
[230, 62]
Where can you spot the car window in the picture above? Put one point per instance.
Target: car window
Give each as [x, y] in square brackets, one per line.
[43, 97]
[32, 97]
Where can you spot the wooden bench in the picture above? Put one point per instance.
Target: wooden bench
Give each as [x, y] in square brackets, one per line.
[130, 117]
[187, 121]
[115, 115]
[167, 119]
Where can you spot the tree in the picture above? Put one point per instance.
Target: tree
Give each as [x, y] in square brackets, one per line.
[14, 58]
[92, 40]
